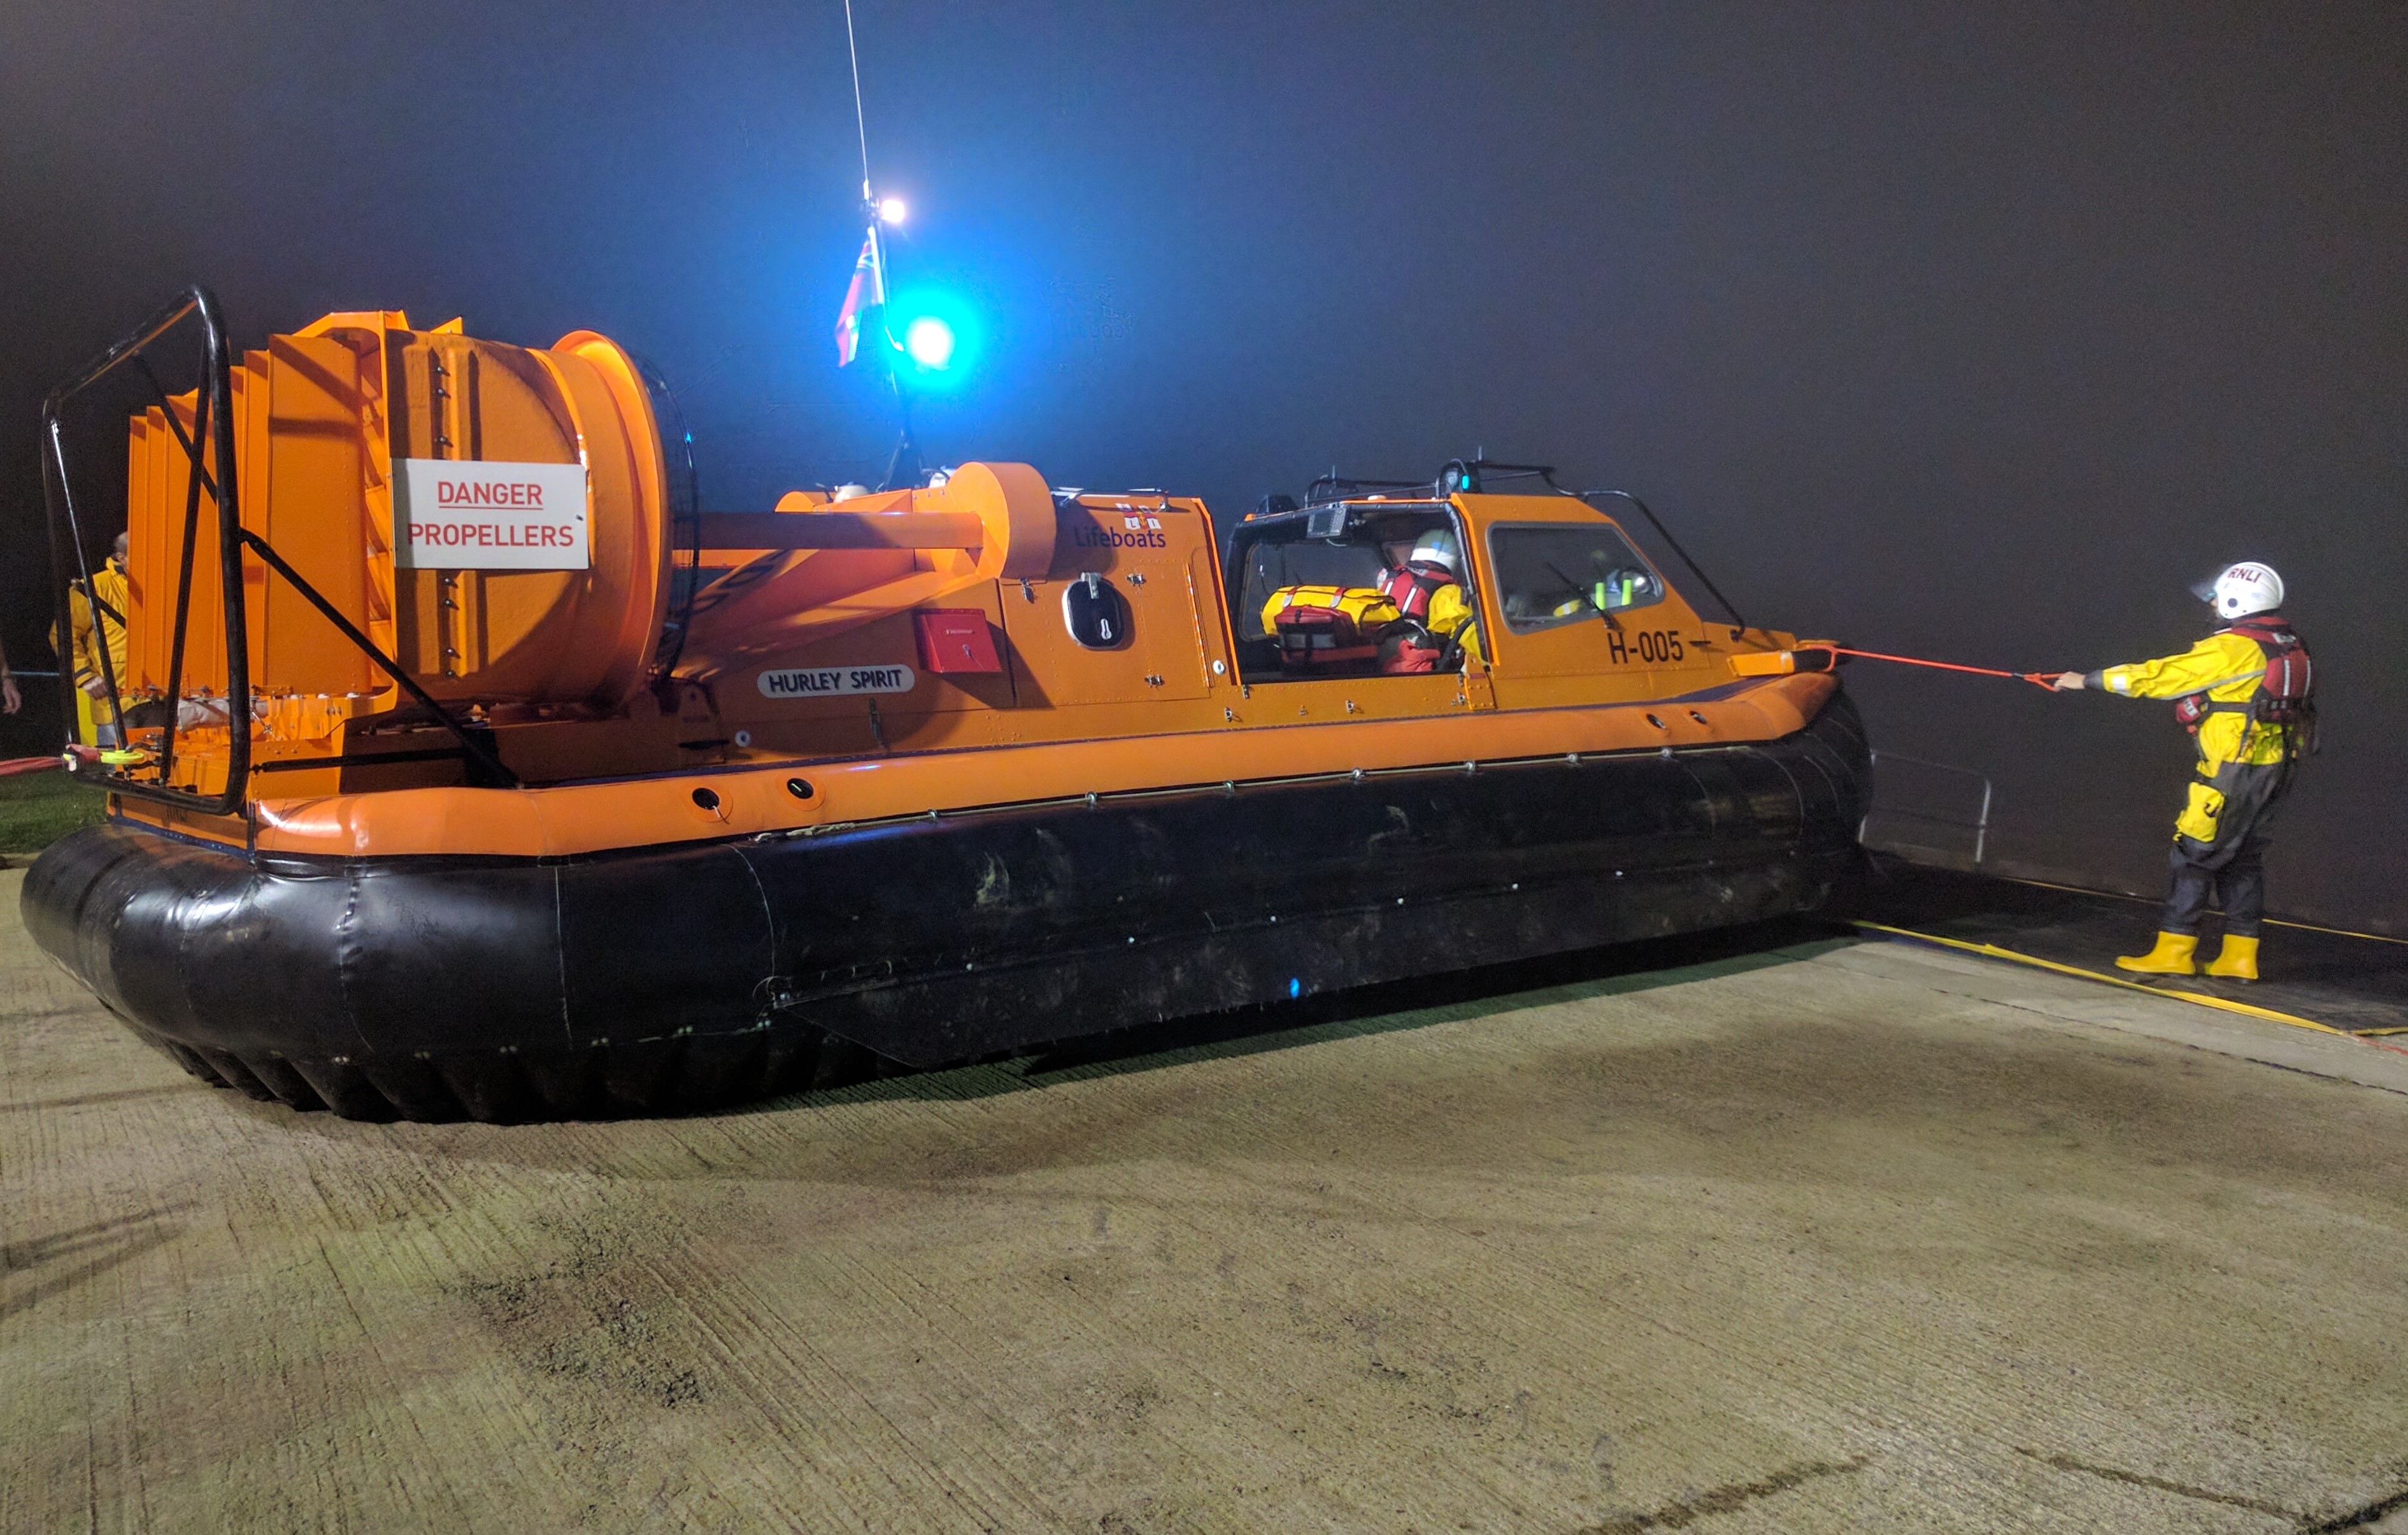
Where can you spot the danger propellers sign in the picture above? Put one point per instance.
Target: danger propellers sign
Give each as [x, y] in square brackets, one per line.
[449, 514]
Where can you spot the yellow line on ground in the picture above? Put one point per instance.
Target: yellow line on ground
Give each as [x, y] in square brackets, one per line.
[1991, 951]
[2145, 900]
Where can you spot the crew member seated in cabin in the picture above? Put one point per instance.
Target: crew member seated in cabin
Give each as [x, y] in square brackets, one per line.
[1557, 597]
[1328, 629]
[1383, 592]
[1426, 586]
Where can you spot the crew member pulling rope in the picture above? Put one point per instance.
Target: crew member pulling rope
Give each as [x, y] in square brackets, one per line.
[2246, 693]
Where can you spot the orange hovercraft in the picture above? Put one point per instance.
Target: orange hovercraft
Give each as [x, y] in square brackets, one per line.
[466, 770]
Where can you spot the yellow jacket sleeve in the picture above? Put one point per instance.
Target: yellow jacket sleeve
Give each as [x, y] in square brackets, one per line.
[1449, 610]
[83, 652]
[2219, 661]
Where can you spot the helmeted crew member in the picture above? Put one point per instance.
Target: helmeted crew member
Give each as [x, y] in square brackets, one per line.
[2246, 693]
[1428, 587]
[94, 725]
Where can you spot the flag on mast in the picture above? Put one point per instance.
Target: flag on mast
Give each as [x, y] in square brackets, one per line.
[867, 290]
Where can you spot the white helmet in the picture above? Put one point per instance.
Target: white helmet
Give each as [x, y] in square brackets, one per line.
[2242, 590]
[1437, 547]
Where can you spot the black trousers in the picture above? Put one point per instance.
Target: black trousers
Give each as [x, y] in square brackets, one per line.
[2232, 868]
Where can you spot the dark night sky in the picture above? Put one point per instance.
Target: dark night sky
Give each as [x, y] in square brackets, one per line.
[1973, 331]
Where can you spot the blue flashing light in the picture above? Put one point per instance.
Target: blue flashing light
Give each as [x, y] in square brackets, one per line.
[930, 342]
[937, 337]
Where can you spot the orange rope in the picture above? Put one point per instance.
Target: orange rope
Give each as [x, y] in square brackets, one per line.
[2037, 679]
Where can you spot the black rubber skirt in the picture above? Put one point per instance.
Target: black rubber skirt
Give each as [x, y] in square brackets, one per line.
[672, 978]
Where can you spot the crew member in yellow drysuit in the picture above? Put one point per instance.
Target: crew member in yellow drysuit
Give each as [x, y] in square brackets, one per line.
[95, 724]
[2244, 693]
[1426, 586]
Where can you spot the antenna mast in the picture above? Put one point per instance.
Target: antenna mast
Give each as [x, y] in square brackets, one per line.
[904, 468]
[860, 122]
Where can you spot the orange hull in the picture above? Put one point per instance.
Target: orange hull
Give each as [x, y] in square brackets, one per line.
[466, 654]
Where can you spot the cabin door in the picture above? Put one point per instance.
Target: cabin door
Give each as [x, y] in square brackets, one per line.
[1579, 616]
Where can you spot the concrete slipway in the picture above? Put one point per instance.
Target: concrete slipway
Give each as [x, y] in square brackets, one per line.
[1787, 1232]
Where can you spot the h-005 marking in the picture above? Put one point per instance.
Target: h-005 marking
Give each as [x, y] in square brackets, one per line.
[1647, 645]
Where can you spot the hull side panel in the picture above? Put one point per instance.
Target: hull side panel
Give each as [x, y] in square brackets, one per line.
[662, 980]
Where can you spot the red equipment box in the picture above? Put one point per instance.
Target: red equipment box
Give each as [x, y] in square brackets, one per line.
[955, 640]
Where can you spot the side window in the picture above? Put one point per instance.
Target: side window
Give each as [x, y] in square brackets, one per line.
[1562, 572]
[1269, 566]
[1364, 589]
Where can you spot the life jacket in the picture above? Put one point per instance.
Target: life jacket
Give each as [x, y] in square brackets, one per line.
[1328, 625]
[1410, 585]
[2285, 696]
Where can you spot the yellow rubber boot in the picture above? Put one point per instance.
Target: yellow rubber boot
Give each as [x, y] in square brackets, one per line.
[2237, 960]
[2172, 956]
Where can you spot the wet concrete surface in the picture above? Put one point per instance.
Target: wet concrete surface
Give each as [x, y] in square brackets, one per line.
[1814, 1235]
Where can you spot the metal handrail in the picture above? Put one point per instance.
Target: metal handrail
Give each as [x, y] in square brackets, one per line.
[213, 418]
[1979, 826]
[214, 415]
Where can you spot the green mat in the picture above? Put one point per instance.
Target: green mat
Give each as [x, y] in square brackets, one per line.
[38, 809]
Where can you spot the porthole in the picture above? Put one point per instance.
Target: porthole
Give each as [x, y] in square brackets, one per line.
[706, 799]
[799, 787]
[1095, 613]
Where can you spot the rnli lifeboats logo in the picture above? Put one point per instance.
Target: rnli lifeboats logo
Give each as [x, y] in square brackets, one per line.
[833, 681]
[453, 514]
